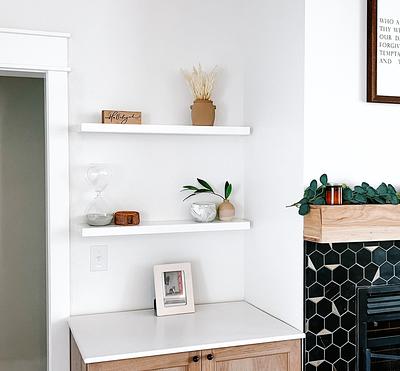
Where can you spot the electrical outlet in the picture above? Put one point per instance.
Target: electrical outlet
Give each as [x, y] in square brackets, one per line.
[98, 258]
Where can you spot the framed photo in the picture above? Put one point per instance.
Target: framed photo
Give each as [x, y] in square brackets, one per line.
[383, 85]
[174, 289]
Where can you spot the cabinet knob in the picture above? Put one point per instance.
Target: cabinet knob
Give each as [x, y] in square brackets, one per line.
[210, 357]
[196, 359]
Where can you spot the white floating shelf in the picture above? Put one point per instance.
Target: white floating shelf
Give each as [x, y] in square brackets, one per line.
[180, 226]
[165, 129]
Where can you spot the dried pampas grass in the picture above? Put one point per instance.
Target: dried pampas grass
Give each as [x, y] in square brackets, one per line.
[201, 83]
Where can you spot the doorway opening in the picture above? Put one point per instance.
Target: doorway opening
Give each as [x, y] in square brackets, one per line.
[23, 242]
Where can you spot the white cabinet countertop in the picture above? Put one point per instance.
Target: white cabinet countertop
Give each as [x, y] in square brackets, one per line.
[124, 335]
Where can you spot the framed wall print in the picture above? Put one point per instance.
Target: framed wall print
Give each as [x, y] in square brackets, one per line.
[174, 289]
[383, 68]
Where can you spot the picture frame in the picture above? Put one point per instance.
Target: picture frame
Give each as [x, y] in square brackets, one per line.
[383, 51]
[174, 289]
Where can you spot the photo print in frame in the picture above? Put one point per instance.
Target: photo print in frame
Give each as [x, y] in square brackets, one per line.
[174, 289]
[383, 66]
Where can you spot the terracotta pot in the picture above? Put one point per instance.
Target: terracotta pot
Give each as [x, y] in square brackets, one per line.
[203, 112]
[226, 211]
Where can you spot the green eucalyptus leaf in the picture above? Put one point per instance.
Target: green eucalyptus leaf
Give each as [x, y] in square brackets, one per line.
[359, 189]
[304, 209]
[319, 201]
[393, 199]
[371, 191]
[313, 185]
[379, 200]
[382, 189]
[359, 198]
[310, 193]
[391, 189]
[323, 179]
[347, 194]
[320, 191]
[205, 184]
[365, 185]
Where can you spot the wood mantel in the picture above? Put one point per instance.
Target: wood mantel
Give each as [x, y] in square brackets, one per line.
[352, 223]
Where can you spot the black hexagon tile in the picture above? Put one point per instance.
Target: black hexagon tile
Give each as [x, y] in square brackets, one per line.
[332, 274]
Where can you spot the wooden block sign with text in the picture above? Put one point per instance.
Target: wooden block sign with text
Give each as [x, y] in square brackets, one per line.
[121, 117]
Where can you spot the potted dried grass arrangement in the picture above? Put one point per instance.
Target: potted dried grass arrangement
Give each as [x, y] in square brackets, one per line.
[201, 84]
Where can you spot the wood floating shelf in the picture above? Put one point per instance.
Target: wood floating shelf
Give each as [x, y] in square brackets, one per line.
[164, 227]
[352, 223]
[165, 129]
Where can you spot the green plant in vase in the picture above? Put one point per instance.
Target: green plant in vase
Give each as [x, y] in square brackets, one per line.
[226, 211]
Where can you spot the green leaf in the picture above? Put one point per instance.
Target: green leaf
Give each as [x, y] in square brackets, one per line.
[205, 184]
[347, 194]
[382, 189]
[371, 192]
[314, 185]
[193, 194]
[365, 185]
[391, 189]
[379, 200]
[310, 193]
[359, 189]
[304, 209]
[359, 198]
[394, 200]
[320, 191]
[303, 201]
[202, 191]
[228, 190]
[324, 179]
[189, 188]
[319, 201]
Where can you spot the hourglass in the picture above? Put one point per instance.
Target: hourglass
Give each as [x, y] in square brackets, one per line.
[98, 212]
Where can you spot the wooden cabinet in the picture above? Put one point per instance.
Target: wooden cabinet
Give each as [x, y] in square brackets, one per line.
[276, 356]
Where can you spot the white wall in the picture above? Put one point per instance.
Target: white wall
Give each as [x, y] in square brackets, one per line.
[127, 55]
[22, 225]
[349, 139]
[274, 156]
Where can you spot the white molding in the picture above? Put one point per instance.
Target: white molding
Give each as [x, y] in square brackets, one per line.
[58, 252]
[36, 33]
[26, 53]
[165, 227]
[27, 67]
[33, 50]
[185, 129]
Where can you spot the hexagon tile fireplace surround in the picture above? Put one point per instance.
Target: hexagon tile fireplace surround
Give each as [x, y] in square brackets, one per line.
[333, 274]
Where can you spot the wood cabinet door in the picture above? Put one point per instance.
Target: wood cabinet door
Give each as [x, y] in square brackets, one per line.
[277, 356]
[171, 362]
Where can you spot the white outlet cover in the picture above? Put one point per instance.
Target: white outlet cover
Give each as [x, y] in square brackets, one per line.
[99, 258]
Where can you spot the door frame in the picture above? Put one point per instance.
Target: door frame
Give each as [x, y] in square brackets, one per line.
[45, 54]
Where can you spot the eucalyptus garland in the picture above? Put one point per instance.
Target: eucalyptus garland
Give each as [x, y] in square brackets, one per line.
[314, 194]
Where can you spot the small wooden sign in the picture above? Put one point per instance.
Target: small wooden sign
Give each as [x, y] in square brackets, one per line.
[121, 117]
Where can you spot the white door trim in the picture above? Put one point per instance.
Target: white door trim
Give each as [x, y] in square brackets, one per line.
[46, 54]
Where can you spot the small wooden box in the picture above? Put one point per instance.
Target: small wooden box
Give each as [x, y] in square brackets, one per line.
[352, 223]
[126, 218]
[121, 117]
